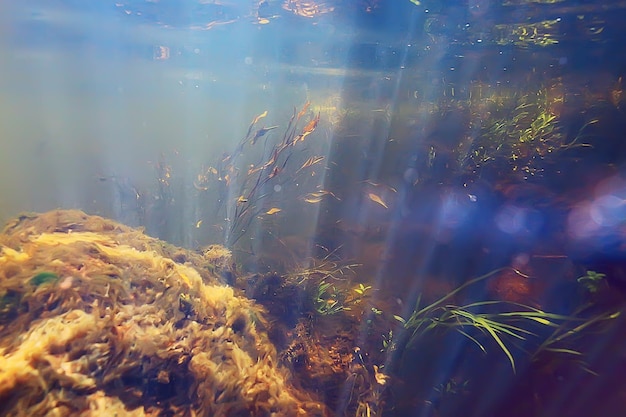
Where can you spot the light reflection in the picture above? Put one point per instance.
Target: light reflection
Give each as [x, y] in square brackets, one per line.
[597, 219]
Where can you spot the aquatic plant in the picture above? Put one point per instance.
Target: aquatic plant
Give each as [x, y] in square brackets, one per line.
[524, 35]
[388, 342]
[327, 267]
[503, 323]
[360, 293]
[241, 188]
[588, 317]
[592, 281]
[329, 299]
[463, 319]
[362, 289]
[252, 182]
[453, 387]
[524, 134]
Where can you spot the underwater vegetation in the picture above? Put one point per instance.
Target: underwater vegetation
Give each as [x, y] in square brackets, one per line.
[503, 319]
[340, 316]
[421, 212]
[128, 324]
[451, 249]
[322, 318]
[121, 321]
[246, 190]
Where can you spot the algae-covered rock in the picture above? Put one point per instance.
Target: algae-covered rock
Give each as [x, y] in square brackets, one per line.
[97, 318]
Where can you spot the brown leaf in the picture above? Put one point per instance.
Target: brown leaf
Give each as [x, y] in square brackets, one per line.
[381, 378]
[304, 109]
[311, 161]
[377, 199]
[259, 117]
[308, 129]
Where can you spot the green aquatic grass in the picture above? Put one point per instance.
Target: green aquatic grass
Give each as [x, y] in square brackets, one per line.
[328, 299]
[513, 322]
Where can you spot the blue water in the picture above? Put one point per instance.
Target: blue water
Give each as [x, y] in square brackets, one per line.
[120, 109]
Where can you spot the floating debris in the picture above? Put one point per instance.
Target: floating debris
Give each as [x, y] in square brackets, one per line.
[377, 199]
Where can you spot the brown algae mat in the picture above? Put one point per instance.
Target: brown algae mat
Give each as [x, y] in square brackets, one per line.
[96, 319]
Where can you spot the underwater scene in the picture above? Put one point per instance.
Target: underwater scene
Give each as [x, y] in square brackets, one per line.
[352, 208]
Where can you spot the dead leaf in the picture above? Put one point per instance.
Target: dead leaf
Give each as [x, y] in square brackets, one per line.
[274, 172]
[304, 109]
[379, 376]
[317, 196]
[311, 125]
[308, 129]
[311, 161]
[259, 117]
[377, 199]
[377, 185]
[273, 210]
